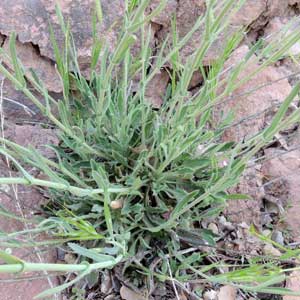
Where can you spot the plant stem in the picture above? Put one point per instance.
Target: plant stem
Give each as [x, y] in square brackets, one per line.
[35, 267]
[60, 186]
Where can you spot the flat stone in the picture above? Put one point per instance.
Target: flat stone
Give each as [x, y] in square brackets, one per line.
[31, 59]
[33, 136]
[27, 200]
[17, 107]
[277, 237]
[227, 292]
[30, 20]
[293, 283]
[271, 250]
[156, 89]
[249, 100]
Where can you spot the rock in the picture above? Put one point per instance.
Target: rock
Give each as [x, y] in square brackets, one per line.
[210, 295]
[182, 296]
[222, 220]
[267, 232]
[276, 8]
[116, 204]
[290, 69]
[42, 66]
[128, 294]
[17, 107]
[275, 26]
[270, 250]
[197, 80]
[284, 168]
[225, 224]
[227, 292]
[244, 225]
[214, 228]
[249, 13]
[110, 297]
[33, 136]
[106, 282]
[266, 219]
[187, 13]
[30, 20]
[245, 17]
[293, 283]
[254, 103]
[294, 2]
[160, 290]
[277, 237]
[156, 89]
[165, 17]
[27, 200]
[273, 8]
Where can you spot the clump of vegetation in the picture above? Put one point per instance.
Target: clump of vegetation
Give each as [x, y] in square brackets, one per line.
[130, 184]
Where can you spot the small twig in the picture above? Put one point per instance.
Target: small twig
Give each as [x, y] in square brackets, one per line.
[172, 280]
[26, 108]
[253, 116]
[265, 158]
[61, 186]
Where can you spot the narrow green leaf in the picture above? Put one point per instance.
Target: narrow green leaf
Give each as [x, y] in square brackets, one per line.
[273, 128]
[84, 252]
[64, 286]
[19, 72]
[99, 11]
[10, 259]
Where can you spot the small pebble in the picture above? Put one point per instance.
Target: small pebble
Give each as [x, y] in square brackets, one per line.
[222, 219]
[225, 224]
[60, 254]
[106, 283]
[227, 292]
[266, 232]
[214, 228]
[277, 237]
[266, 219]
[239, 234]
[254, 252]
[270, 250]
[210, 295]
[116, 204]
[228, 226]
[244, 225]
